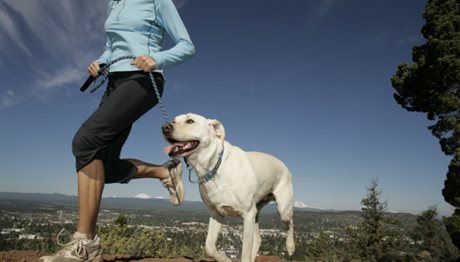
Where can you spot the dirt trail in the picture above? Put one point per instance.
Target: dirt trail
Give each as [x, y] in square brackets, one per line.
[30, 256]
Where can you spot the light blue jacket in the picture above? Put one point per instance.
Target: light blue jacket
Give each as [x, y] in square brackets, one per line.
[136, 27]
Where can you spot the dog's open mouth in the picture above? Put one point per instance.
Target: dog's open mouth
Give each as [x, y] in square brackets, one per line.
[177, 147]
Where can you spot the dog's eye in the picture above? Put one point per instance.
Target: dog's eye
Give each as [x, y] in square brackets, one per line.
[189, 121]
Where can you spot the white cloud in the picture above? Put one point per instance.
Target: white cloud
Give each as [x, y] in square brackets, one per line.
[54, 40]
[8, 99]
[61, 78]
[11, 31]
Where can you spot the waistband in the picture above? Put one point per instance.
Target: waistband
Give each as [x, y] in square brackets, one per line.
[127, 74]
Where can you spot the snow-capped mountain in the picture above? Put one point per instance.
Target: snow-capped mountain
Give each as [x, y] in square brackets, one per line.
[147, 196]
[302, 205]
[299, 204]
[142, 196]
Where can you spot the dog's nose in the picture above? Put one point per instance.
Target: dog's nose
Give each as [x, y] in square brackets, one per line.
[167, 128]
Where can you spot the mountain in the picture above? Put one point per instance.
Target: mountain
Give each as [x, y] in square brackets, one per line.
[142, 196]
[45, 200]
[302, 206]
[139, 201]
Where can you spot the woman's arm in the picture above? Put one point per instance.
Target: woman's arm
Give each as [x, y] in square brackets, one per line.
[107, 54]
[169, 19]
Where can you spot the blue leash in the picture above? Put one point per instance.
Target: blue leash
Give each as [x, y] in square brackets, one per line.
[104, 70]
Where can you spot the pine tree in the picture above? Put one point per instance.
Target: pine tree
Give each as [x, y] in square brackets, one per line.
[432, 239]
[372, 233]
[377, 237]
[431, 85]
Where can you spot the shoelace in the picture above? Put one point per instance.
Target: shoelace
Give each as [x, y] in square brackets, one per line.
[80, 251]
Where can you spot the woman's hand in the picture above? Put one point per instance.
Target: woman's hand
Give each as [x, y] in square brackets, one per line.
[145, 63]
[93, 69]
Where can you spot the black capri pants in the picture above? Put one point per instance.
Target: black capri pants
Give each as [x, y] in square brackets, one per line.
[128, 96]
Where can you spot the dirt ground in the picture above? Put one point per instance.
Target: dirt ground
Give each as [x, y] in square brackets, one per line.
[30, 256]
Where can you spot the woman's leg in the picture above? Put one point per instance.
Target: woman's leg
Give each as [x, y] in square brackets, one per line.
[147, 170]
[90, 187]
[170, 174]
[100, 139]
[128, 96]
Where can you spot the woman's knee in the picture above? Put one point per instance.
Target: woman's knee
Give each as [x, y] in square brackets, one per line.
[80, 141]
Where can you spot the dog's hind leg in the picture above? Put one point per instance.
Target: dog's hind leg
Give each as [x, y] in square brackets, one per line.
[215, 223]
[284, 196]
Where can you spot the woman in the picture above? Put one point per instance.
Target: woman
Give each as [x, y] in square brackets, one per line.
[133, 27]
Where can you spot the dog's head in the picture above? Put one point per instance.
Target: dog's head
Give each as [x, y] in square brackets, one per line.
[189, 133]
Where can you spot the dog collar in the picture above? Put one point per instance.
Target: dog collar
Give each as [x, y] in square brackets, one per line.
[209, 175]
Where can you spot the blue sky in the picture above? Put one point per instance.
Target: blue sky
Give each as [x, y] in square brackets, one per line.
[308, 81]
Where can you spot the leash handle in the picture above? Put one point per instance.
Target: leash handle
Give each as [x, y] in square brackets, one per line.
[89, 81]
[103, 71]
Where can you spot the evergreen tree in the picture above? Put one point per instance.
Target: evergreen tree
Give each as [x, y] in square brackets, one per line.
[432, 239]
[377, 237]
[431, 85]
[321, 248]
[371, 239]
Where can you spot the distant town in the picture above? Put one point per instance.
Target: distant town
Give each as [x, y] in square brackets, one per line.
[32, 222]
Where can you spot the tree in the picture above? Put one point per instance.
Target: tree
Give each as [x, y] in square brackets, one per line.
[431, 85]
[320, 249]
[371, 239]
[432, 239]
[377, 237]
[140, 242]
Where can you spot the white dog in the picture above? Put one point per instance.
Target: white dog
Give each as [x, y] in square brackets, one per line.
[231, 181]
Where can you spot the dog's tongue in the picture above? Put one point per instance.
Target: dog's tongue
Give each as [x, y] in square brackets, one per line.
[170, 148]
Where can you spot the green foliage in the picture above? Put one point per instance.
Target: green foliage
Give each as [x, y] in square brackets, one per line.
[453, 227]
[120, 238]
[121, 221]
[433, 243]
[321, 247]
[451, 191]
[137, 242]
[377, 237]
[372, 228]
[432, 83]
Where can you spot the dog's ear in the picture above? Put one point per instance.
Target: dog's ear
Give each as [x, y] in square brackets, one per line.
[218, 128]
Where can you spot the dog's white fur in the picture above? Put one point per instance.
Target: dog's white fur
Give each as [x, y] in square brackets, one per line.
[244, 183]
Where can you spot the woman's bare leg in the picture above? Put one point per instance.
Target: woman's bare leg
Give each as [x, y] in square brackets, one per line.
[90, 188]
[170, 176]
[147, 170]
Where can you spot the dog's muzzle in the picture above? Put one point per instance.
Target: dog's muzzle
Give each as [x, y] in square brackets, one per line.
[176, 147]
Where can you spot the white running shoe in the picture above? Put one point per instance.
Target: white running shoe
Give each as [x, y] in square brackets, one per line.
[174, 182]
[79, 249]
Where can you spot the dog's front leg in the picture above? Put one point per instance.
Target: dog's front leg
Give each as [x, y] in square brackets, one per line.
[215, 222]
[248, 235]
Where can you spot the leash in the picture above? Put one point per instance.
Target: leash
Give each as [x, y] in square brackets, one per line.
[104, 71]
[209, 175]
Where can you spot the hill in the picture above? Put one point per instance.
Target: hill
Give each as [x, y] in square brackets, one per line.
[18, 200]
